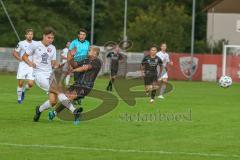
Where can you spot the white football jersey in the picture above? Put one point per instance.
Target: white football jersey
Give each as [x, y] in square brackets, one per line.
[164, 57]
[21, 49]
[42, 56]
[64, 54]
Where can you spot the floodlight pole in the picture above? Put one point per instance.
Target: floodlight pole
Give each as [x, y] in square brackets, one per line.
[192, 38]
[125, 22]
[92, 22]
[9, 19]
[212, 30]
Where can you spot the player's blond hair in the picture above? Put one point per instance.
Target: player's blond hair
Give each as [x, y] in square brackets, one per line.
[96, 49]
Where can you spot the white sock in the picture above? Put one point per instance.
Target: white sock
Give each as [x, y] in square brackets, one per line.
[66, 102]
[163, 88]
[67, 80]
[45, 106]
[26, 87]
[19, 93]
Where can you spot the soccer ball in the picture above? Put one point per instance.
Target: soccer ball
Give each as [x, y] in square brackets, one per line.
[225, 81]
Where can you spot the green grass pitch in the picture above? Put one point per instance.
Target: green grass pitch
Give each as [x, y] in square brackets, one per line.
[212, 133]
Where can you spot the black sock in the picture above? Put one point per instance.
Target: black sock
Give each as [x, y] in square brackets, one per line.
[153, 94]
[110, 83]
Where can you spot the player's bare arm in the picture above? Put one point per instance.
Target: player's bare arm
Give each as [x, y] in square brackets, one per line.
[16, 55]
[82, 68]
[26, 60]
[56, 65]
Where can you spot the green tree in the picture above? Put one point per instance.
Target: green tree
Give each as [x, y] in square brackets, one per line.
[170, 24]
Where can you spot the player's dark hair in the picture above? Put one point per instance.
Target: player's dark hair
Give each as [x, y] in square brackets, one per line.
[28, 30]
[82, 30]
[49, 30]
[154, 46]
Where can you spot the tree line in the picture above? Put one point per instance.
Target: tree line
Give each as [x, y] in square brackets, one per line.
[149, 21]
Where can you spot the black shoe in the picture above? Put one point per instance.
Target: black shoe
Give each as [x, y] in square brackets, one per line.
[76, 114]
[37, 114]
[77, 102]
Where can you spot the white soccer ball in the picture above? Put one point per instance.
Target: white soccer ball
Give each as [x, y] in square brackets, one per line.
[225, 81]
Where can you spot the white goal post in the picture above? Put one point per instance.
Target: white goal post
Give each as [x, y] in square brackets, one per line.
[229, 50]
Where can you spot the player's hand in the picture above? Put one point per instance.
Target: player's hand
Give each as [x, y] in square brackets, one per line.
[61, 65]
[33, 65]
[69, 71]
[69, 67]
[73, 51]
[171, 63]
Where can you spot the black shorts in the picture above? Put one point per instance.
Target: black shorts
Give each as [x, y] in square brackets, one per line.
[114, 72]
[81, 91]
[150, 79]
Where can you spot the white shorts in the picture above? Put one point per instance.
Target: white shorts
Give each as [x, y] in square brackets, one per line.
[42, 80]
[163, 76]
[25, 72]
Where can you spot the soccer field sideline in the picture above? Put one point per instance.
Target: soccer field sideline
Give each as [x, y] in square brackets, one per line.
[121, 150]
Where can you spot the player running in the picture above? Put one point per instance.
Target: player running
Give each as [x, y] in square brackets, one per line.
[89, 68]
[24, 72]
[114, 57]
[64, 54]
[163, 77]
[149, 70]
[43, 60]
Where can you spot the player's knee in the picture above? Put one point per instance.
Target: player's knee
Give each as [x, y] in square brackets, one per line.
[30, 85]
[53, 102]
[20, 84]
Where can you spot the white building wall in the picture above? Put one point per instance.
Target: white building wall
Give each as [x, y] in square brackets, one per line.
[223, 26]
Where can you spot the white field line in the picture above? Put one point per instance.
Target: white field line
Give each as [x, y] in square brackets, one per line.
[122, 150]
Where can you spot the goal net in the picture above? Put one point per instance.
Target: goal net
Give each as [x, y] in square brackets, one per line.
[231, 61]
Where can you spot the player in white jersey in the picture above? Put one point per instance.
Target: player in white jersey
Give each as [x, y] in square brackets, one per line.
[64, 54]
[24, 72]
[43, 60]
[164, 75]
